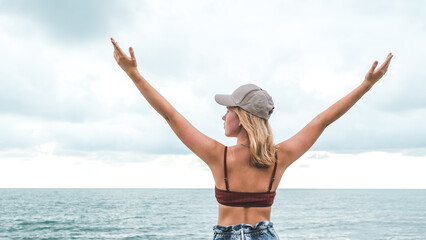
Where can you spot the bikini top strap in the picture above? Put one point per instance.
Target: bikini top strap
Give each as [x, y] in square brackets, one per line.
[273, 173]
[226, 175]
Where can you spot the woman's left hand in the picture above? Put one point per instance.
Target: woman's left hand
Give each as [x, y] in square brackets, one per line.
[374, 74]
[128, 64]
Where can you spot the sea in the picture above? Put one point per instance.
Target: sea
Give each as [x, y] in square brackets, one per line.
[340, 214]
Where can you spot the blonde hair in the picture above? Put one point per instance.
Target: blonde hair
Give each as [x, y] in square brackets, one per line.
[262, 147]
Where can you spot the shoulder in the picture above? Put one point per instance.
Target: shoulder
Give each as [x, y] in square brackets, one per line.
[217, 152]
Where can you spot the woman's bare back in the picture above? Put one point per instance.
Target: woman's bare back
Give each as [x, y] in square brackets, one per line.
[244, 178]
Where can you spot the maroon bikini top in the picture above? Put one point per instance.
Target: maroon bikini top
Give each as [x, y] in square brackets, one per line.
[245, 199]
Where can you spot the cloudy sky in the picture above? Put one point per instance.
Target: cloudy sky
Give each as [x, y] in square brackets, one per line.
[69, 116]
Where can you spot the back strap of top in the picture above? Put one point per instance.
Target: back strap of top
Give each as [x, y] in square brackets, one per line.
[273, 173]
[226, 175]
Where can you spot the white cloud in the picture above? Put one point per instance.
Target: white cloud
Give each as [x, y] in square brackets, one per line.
[46, 148]
[367, 170]
[51, 171]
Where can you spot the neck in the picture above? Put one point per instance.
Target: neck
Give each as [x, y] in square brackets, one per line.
[244, 143]
[242, 138]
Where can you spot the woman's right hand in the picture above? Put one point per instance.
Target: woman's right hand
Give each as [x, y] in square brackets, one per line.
[374, 74]
[128, 64]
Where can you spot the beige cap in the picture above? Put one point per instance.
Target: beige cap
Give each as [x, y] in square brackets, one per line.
[251, 98]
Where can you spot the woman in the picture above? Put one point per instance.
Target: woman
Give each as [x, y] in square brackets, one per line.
[246, 175]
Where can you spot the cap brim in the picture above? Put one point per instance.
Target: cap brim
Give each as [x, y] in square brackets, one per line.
[225, 100]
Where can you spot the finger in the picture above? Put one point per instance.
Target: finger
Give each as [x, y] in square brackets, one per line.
[374, 66]
[388, 60]
[114, 43]
[389, 57]
[383, 65]
[132, 53]
[116, 46]
[116, 54]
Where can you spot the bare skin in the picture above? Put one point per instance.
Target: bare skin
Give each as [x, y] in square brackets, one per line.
[242, 177]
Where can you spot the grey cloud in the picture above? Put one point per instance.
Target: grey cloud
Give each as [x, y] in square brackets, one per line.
[364, 130]
[216, 56]
[72, 21]
[12, 137]
[319, 156]
[404, 91]
[131, 133]
[36, 88]
[414, 152]
[40, 96]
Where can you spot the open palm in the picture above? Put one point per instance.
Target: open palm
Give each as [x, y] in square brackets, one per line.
[374, 74]
[126, 63]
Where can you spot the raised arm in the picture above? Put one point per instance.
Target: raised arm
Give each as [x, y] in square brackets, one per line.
[297, 145]
[204, 147]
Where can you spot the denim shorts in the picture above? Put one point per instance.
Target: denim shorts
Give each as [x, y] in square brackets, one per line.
[263, 230]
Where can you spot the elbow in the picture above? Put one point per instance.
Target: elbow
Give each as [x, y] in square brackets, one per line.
[322, 120]
[170, 116]
[167, 117]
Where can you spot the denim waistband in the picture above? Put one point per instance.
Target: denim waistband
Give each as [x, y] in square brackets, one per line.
[247, 228]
